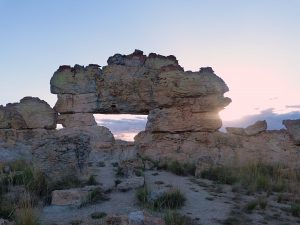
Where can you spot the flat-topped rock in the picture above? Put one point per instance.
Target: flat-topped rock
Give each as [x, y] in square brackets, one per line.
[77, 120]
[135, 84]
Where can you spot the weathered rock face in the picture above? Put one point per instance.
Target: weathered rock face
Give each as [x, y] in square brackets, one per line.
[66, 152]
[140, 84]
[218, 148]
[77, 120]
[293, 128]
[182, 119]
[30, 113]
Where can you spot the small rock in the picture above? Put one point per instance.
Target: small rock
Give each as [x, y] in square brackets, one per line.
[235, 130]
[256, 128]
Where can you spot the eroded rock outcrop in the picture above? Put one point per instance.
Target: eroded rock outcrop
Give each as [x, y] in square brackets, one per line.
[293, 128]
[67, 151]
[29, 113]
[183, 121]
[141, 84]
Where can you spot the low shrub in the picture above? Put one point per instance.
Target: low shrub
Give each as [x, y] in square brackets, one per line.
[172, 199]
[66, 183]
[95, 196]
[98, 215]
[174, 218]
[26, 214]
[92, 180]
[142, 195]
[253, 177]
[295, 209]
[181, 169]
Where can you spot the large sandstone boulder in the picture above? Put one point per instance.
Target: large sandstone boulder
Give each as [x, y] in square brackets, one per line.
[218, 148]
[10, 118]
[293, 128]
[77, 120]
[182, 119]
[66, 151]
[136, 84]
[71, 197]
[29, 113]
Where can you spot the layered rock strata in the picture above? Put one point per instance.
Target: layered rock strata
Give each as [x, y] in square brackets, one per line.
[176, 100]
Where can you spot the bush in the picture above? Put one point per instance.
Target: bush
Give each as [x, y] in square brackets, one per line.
[295, 209]
[142, 195]
[6, 209]
[67, 183]
[26, 215]
[174, 218]
[98, 215]
[172, 199]
[95, 196]
[92, 180]
[253, 177]
[181, 169]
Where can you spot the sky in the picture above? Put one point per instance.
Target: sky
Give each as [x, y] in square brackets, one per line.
[253, 45]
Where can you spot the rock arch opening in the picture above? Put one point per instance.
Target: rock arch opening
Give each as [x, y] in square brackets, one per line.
[123, 126]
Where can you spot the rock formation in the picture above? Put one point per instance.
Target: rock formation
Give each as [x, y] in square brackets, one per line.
[293, 128]
[138, 84]
[29, 113]
[183, 121]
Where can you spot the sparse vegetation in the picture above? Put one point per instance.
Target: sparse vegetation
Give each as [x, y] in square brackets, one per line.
[254, 177]
[98, 215]
[174, 218]
[295, 209]
[95, 196]
[171, 199]
[26, 214]
[92, 180]
[67, 183]
[142, 195]
[181, 169]
[252, 205]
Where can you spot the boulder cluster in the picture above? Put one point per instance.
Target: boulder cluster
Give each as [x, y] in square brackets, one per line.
[183, 121]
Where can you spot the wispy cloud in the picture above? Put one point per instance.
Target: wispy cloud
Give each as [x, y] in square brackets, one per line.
[292, 106]
[123, 127]
[273, 119]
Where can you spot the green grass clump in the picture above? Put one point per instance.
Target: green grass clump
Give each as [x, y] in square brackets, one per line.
[172, 199]
[26, 214]
[66, 183]
[252, 205]
[174, 218]
[92, 180]
[95, 196]
[6, 209]
[220, 175]
[295, 209]
[98, 215]
[142, 195]
[254, 177]
[181, 169]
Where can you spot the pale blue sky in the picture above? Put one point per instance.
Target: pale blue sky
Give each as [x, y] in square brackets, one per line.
[253, 45]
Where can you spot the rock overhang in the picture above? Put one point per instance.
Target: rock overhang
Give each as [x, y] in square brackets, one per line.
[137, 84]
